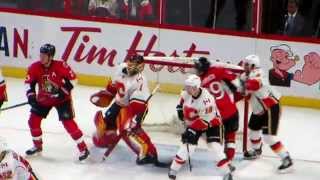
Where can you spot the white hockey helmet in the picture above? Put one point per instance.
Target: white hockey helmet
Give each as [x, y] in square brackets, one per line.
[193, 81]
[252, 60]
[3, 144]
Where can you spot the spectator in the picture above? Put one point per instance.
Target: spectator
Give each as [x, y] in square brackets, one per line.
[141, 10]
[293, 22]
[104, 8]
[241, 9]
[40, 5]
[317, 23]
[77, 7]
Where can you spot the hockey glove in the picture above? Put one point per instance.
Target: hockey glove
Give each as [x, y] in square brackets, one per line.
[189, 137]
[215, 122]
[179, 109]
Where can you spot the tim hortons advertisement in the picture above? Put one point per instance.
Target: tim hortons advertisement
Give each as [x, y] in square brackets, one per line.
[96, 48]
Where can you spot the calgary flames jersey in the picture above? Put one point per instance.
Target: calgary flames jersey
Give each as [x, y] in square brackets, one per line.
[202, 107]
[262, 95]
[128, 85]
[15, 167]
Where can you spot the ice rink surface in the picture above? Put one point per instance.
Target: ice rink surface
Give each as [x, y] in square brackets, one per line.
[299, 131]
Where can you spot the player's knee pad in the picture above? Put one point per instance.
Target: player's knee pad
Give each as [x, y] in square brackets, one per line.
[270, 140]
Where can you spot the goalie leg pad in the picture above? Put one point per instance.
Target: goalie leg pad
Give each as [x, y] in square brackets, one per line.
[143, 141]
[100, 124]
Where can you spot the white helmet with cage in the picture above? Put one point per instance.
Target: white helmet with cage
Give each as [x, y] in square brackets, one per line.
[252, 60]
[193, 81]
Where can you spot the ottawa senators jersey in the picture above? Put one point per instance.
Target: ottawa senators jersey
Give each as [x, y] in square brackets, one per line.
[49, 80]
[203, 107]
[15, 167]
[128, 85]
[262, 95]
[213, 81]
[3, 91]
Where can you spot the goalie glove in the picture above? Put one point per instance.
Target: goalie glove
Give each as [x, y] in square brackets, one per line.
[102, 98]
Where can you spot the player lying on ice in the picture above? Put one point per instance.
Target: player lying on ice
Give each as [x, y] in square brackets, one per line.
[13, 166]
[123, 119]
[265, 117]
[199, 112]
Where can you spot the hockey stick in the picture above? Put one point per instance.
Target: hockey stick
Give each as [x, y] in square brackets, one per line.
[189, 158]
[14, 106]
[110, 149]
[34, 175]
[245, 125]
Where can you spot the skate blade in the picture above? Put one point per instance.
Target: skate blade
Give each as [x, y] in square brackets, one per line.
[37, 154]
[286, 171]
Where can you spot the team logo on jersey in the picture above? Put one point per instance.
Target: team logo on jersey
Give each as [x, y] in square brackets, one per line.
[190, 113]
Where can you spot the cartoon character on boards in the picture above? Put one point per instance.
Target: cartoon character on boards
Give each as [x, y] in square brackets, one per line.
[283, 60]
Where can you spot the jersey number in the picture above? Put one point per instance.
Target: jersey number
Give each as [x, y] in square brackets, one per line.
[215, 88]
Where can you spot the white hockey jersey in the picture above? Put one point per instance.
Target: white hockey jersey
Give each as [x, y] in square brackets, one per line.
[262, 96]
[129, 87]
[14, 167]
[203, 107]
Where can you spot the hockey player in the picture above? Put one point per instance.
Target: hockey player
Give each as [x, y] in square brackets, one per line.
[220, 82]
[201, 117]
[13, 166]
[265, 115]
[54, 79]
[130, 91]
[3, 91]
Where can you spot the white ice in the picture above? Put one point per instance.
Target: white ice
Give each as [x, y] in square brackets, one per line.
[298, 131]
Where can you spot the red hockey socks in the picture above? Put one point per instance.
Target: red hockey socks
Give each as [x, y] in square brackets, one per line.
[35, 129]
[75, 133]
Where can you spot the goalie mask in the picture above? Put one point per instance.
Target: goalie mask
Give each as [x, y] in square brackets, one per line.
[135, 65]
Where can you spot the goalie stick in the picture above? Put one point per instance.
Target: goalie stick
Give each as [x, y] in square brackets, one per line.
[110, 149]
